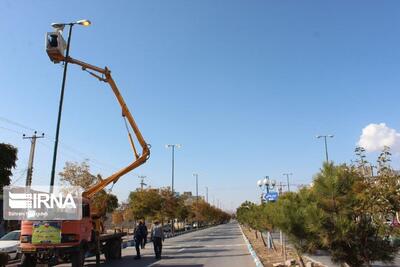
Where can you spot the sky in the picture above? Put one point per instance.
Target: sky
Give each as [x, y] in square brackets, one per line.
[244, 86]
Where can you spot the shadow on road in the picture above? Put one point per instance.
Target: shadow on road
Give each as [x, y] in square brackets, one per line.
[124, 261]
[185, 265]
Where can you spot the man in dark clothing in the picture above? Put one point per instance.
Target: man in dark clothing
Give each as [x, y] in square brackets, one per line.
[157, 236]
[144, 241]
[138, 235]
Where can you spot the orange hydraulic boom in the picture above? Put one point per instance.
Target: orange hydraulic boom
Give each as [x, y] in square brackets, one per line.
[139, 158]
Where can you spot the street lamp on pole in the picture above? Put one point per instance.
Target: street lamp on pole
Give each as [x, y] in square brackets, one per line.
[197, 187]
[173, 146]
[265, 185]
[326, 144]
[60, 26]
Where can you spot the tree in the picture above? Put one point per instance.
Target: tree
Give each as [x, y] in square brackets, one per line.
[182, 211]
[8, 158]
[146, 203]
[169, 204]
[345, 226]
[346, 212]
[78, 174]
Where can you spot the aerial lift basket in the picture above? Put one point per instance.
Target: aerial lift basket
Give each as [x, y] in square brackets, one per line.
[55, 46]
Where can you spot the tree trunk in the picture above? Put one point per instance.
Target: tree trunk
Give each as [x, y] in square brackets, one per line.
[300, 259]
[263, 240]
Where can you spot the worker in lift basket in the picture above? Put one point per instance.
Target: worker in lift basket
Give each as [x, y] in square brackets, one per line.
[157, 236]
[138, 235]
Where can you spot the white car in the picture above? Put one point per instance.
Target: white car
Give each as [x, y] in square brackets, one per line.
[9, 243]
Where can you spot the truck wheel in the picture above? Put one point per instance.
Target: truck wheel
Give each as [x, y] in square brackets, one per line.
[117, 249]
[113, 250]
[27, 260]
[4, 258]
[78, 258]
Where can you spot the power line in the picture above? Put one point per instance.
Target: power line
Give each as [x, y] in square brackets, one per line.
[76, 155]
[22, 174]
[81, 155]
[16, 123]
[11, 130]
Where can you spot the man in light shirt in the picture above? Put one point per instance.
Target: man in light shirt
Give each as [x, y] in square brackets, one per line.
[157, 236]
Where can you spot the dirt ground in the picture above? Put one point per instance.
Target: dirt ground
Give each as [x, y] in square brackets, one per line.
[268, 257]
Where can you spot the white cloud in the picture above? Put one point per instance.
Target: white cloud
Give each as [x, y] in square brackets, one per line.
[375, 136]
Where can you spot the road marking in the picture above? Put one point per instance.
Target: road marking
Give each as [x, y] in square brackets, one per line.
[182, 249]
[204, 246]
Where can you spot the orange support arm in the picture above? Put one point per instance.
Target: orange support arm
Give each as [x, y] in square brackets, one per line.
[139, 159]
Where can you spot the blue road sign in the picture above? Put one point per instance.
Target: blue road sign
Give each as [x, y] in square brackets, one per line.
[271, 196]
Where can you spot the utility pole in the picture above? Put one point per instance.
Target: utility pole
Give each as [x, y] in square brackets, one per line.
[287, 178]
[142, 183]
[207, 194]
[31, 156]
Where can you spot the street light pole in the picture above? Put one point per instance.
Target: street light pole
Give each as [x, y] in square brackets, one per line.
[197, 187]
[197, 195]
[173, 163]
[326, 144]
[61, 26]
[53, 167]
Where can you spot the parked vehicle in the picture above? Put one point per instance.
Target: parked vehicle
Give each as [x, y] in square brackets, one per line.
[9, 243]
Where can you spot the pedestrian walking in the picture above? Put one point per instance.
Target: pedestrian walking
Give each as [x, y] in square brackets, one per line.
[157, 236]
[144, 240]
[138, 236]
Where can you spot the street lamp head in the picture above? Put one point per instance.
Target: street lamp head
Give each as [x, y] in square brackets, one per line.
[266, 180]
[331, 135]
[173, 145]
[318, 136]
[84, 22]
[259, 183]
[273, 183]
[58, 26]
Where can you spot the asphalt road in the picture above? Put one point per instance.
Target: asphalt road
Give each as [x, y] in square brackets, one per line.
[221, 246]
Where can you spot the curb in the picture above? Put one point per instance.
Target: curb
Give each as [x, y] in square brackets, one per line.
[316, 262]
[251, 250]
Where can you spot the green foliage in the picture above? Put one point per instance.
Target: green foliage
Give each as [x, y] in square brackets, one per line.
[145, 203]
[163, 205]
[78, 174]
[346, 211]
[8, 158]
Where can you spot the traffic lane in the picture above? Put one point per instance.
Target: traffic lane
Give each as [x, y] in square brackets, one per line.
[217, 246]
